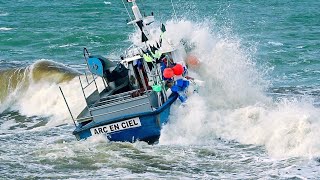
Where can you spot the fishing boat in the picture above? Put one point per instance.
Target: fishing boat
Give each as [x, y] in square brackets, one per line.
[138, 91]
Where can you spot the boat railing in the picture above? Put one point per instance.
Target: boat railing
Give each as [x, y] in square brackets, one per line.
[93, 80]
[112, 100]
[118, 95]
[79, 120]
[120, 98]
[89, 83]
[117, 102]
[91, 99]
[94, 96]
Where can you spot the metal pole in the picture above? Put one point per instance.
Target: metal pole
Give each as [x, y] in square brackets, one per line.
[86, 77]
[104, 83]
[142, 80]
[95, 82]
[84, 95]
[67, 106]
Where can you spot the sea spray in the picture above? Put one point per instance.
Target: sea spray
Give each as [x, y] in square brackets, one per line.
[234, 105]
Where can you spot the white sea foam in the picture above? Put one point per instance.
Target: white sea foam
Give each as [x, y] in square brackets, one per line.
[4, 14]
[7, 124]
[68, 45]
[5, 29]
[275, 43]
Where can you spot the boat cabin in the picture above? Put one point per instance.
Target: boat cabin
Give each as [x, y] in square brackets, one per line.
[132, 86]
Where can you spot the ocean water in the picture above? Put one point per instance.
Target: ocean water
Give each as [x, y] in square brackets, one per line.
[257, 117]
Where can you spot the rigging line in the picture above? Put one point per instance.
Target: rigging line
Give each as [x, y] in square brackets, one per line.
[127, 10]
[128, 14]
[174, 11]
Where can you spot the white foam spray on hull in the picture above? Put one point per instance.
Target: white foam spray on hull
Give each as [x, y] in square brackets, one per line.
[234, 104]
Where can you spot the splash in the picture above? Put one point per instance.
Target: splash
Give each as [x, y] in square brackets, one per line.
[234, 104]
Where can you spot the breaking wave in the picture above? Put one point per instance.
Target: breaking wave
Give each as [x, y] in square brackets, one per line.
[34, 90]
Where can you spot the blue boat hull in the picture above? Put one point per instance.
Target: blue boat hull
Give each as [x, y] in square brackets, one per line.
[149, 131]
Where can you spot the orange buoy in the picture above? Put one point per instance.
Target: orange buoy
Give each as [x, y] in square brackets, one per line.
[178, 69]
[192, 62]
[168, 73]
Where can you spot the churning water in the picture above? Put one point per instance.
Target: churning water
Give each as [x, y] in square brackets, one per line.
[257, 117]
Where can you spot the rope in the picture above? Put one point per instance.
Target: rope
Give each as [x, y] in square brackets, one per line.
[129, 14]
[127, 10]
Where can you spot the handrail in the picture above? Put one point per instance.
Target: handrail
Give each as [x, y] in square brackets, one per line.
[115, 95]
[120, 94]
[93, 80]
[114, 99]
[111, 99]
[84, 95]
[123, 109]
[90, 117]
[111, 104]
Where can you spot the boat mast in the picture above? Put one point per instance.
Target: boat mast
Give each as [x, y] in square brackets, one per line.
[136, 11]
[140, 21]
